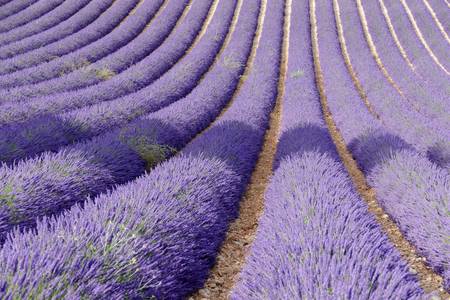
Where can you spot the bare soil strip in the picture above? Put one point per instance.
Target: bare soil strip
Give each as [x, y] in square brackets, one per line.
[242, 231]
[436, 20]
[420, 36]
[394, 35]
[430, 281]
[348, 63]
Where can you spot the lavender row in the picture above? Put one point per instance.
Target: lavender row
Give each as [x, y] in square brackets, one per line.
[57, 15]
[163, 213]
[145, 64]
[330, 247]
[51, 132]
[397, 112]
[14, 7]
[374, 146]
[418, 54]
[82, 18]
[316, 240]
[131, 27]
[430, 31]
[103, 25]
[426, 97]
[112, 158]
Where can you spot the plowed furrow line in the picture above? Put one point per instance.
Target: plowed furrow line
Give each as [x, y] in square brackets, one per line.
[436, 20]
[429, 280]
[394, 35]
[421, 37]
[348, 63]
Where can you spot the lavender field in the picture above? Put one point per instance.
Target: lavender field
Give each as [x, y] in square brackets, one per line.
[224, 149]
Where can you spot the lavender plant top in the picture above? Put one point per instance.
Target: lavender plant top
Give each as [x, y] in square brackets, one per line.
[316, 240]
[156, 237]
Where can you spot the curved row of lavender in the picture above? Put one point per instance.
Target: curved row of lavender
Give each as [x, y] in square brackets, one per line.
[156, 237]
[120, 155]
[103, 25]
[375, 148]
[430, 98]
[412, 45]
[396, 112]
[82, 18]
[53, 131]
[127, 31]
[27, 10]
[133, 79]
[134, 59]
[63, 11]
[316, 238]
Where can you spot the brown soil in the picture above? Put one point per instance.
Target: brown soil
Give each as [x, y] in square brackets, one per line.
[430, 281]
[242, 231]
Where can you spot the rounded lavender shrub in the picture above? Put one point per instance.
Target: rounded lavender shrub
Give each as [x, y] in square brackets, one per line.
[317, 240]
[154, 238]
